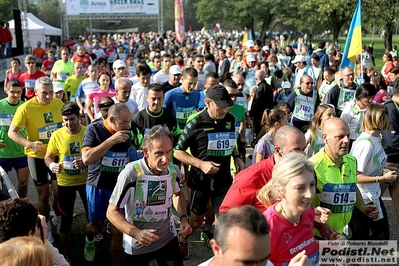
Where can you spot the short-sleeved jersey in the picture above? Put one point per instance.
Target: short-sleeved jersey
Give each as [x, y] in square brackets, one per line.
[40, 122]
[96, 95]
[103, 173]
[84, 59]
[72, 84]
[138, 94]
[287, 240]
[7, 111]
[144, 120]
[85, 87]
[182, 104]
[371, 159]
[62, 70]
[48, 65]
[160, 77]
[123, 196]
[68, 147]
[28, 81]
[238, 111]
[209, 140]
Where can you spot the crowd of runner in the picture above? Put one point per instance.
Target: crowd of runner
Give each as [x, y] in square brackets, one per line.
[153, 134]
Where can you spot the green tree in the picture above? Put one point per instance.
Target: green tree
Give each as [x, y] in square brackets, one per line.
[383, 14]
[314, 16]
[252, 14]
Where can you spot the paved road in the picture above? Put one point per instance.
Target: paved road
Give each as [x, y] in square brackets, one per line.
[198, 252]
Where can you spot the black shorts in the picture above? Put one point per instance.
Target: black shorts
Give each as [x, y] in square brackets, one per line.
[167, 255]
[66, 204]
[40, 172]
[199, 200]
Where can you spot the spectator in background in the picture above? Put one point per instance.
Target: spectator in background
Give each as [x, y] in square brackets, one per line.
[9, 40]
[3, 40]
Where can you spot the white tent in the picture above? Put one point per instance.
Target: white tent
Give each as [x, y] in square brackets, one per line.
[38, 30]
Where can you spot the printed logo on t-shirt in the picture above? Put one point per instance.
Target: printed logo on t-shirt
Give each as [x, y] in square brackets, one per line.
[156, 193]
[48, 117]
[287, 237]
[228, 125]
[74, 148]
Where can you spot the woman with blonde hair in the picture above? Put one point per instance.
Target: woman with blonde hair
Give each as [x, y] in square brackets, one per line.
[313, 135]
[288, 197]
[371, 159]
[24, 251]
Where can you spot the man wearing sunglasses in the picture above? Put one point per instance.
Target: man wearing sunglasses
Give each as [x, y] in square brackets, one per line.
[28, 79]
[303, 102]
[11, 153]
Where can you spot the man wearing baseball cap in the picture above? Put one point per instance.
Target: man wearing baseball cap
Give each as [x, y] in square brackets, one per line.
[302, 68]
[119, 68]
[283, 95]
[175, 74]
[211, 139]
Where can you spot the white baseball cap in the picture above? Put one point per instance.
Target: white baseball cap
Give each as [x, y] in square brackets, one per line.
[250, 58]
[175, 70]
[299, 58]
[249, 43]
[118, 64]
[286, 85]
[57, 87]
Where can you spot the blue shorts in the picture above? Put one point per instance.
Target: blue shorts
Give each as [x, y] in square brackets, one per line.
[97, 203]
[16, 163]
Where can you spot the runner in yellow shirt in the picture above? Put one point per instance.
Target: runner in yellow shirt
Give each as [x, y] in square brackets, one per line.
[41, 117]
[72, 83]
[66, 143]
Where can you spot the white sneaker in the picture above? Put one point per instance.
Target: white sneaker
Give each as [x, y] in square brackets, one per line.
[57, 222]
[50, 237]
[98, 237]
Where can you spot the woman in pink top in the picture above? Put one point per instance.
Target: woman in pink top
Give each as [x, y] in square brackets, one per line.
[288, 197]
[14, 72]
[104, 79]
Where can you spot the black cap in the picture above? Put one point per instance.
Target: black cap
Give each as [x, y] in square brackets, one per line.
[219, 95]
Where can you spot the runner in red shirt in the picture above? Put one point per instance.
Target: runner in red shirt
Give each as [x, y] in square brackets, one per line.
[28, 79]
[82, 57]
[48, 63]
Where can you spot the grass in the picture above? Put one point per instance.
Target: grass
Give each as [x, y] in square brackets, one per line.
[379, 48]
